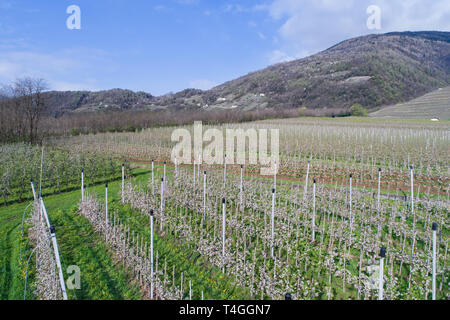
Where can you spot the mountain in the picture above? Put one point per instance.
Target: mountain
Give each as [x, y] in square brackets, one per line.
[61, 102]
[373, 70]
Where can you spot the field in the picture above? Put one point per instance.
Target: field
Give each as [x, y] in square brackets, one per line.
[434, 105]
[343, 191]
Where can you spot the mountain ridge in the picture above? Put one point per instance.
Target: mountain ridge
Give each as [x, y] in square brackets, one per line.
[374, 70]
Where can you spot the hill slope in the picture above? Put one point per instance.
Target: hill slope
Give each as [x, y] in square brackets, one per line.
[432, 105]
[372, 70]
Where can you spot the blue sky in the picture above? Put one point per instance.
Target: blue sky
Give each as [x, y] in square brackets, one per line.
[162, 46]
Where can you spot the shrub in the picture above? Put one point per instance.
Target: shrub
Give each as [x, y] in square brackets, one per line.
[358, 111]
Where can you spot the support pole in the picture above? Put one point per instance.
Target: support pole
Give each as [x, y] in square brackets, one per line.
[199, 162]
[55, 250]
[275, 176]
[176, 168]
[82, 184]
[434, 228]
[350, 207]
[194, 173]
[123, 181]
[380, 279]
[412, 189]
[34, 191]
[151, 253]
[153, 178]
[204, 194]
[241, 186]
[225, 171]
[164, 175]
[162, 204]
[306, 181]
[106, 203]
[58, 262]
[272, 222]
[223, 232]
[314, 212]
[379, 187]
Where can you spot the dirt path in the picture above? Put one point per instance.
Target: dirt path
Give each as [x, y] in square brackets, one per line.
[396, 182]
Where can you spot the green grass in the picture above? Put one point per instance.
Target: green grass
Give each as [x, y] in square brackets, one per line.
[195, 267]
[101, 278]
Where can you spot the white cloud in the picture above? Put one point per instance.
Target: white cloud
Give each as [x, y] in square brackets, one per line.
[70, 86]
[277, 56]
[234, 8]
[309, 26]
[55, 67]
[202, 84]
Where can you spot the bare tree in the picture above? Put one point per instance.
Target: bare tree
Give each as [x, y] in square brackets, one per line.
[22, 106]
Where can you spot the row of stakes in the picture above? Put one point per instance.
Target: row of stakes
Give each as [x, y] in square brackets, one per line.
[288, 296]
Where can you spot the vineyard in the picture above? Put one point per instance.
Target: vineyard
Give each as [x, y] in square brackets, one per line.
[355, 203]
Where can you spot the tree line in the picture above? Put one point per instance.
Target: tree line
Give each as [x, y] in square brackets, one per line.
[25, 116]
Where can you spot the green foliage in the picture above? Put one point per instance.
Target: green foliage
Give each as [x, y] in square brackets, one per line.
[358, 111]
[19, 163]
